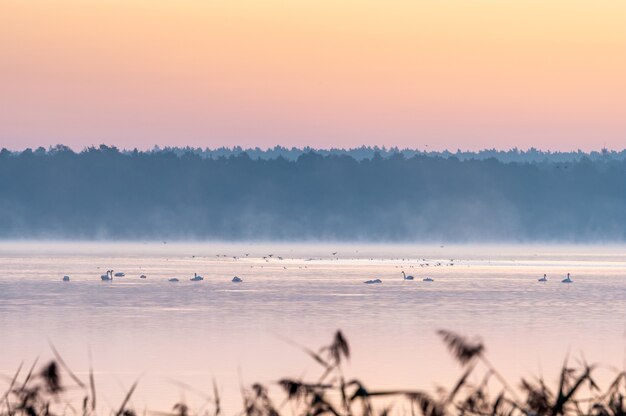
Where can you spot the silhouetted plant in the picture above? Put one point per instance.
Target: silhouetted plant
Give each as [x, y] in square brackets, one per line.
[40, 393]
[462, 349]
[52, 379]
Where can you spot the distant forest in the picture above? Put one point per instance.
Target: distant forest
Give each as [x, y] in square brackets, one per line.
[367, 194]
[368, 152]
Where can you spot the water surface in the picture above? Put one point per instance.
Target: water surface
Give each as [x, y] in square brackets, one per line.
[192, 332]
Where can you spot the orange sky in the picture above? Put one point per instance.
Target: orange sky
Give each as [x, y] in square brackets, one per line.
[451, 74]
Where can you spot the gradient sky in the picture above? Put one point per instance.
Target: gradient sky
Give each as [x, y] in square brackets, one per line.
[452, 74]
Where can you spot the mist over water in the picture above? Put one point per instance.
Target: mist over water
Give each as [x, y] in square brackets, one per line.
[194, 331]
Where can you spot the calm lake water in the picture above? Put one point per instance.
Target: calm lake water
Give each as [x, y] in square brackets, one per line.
[192, 332]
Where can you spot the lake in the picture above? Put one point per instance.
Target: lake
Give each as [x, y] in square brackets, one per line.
[169, 335]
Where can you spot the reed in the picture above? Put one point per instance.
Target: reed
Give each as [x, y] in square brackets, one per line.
[42, 392]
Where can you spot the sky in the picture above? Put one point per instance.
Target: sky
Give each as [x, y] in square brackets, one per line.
[452, 74]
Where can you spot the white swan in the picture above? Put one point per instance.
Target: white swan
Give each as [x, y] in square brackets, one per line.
[428, 279]
[108, 276]
[66, 278]
[407, 277]
[374, 281]
[196, 278]
[236, 280]
[567, 279]
[543, 279]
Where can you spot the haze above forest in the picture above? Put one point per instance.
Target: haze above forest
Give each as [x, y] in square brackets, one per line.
[368, 194]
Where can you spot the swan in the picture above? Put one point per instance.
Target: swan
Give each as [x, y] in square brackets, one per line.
[374, 281]
[407, 277]
[66, 278]
[567, 279]
[196, 278]
[428, 279]
[108, 276]
[543, 279]
[143, 276]
[236, 280]
[173, 279]
[119, 274]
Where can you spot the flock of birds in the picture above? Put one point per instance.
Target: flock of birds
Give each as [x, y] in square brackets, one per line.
[568, 279]
[108, 277]
[404, 277]
[197, 278]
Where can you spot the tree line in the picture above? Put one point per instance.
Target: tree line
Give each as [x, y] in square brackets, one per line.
[105, 193]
